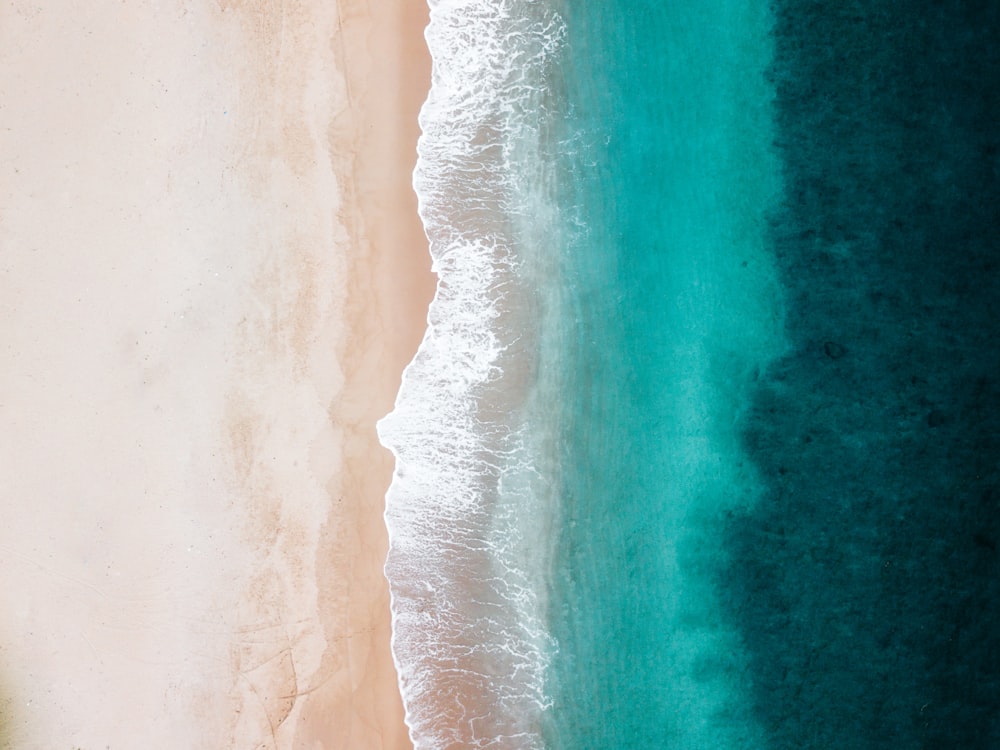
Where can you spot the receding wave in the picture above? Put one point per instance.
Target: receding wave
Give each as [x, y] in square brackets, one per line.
[464, 509]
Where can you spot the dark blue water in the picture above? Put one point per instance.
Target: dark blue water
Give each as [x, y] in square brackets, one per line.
[865, 583]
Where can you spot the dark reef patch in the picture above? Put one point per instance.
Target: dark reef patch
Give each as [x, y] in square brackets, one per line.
[866, 584]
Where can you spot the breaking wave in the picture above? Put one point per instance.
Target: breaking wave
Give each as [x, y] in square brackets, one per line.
[467, 505]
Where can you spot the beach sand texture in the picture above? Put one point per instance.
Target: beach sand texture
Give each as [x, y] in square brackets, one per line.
[211, 276]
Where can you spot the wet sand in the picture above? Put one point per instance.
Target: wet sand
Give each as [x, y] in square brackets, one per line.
[212, 275]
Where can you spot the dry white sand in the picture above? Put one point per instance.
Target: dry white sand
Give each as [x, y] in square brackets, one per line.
[211, 276]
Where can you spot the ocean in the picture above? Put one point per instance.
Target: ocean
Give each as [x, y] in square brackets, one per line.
[701, 448]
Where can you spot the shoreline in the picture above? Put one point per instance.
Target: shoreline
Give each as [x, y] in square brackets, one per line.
[215, 276]
[391, 278]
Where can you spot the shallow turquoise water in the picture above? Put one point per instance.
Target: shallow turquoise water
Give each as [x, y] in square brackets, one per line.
[673, 306]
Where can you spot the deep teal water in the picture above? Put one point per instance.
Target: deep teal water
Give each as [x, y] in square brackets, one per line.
[865, 582]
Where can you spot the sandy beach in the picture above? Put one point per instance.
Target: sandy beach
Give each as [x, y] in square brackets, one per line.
[212, 274]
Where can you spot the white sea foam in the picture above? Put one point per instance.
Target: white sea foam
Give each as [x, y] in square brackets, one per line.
[469, 635]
